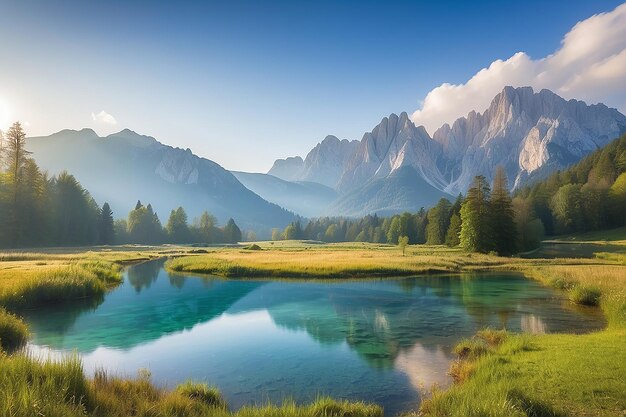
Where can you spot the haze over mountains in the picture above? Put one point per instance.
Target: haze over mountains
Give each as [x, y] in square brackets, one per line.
[124, 167]
[396, 167]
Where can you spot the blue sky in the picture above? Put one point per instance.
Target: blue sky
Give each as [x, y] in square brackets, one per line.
[244, 83]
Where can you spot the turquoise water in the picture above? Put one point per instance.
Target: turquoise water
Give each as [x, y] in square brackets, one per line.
[375, 340]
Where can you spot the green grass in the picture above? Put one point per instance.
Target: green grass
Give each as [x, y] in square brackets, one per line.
[13, 332]
[501, 374]
[84, 279]
[202, 392]
[33, 387]
[546, 375]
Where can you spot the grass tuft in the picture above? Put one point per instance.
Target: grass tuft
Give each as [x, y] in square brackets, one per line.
[585, 295]
[470, 348]
[202, 392]
[13, 332]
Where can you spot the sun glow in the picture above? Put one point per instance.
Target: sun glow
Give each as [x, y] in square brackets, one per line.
[5, 115]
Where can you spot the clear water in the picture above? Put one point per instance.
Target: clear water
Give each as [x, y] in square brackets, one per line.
[375, 340]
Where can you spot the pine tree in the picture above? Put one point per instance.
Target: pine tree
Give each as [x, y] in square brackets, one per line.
[177, 228]
[452, 235]
[232, 233]
[206, 226]
[438, 222]
[502, 216]
[106, 230]
[16, 157]
[475, 233]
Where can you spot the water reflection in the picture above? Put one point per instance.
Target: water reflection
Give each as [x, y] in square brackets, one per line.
[380, 340]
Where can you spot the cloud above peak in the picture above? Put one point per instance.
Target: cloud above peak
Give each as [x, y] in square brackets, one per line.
[590, 65]
[103, 118]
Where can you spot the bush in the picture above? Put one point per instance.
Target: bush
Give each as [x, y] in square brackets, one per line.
[561, 284]
[202, 392]
[13, 332]
[470, 348]
[589, 296]
[254, 246]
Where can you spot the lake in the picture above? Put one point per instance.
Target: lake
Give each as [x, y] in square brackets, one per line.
[384, 340]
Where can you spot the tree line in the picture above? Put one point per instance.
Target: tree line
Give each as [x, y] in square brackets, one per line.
[38, 210]
[481, 221]
[590, 195]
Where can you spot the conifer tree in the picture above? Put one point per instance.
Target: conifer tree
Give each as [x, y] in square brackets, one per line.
[475, 233]
[438, 222]
[106, 230]
[452, 235]
[502, 216]
[232, 233]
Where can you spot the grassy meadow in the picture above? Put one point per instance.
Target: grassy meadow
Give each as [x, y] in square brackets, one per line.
[497, 373]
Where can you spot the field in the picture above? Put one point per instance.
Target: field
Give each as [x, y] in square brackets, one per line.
[558, 374]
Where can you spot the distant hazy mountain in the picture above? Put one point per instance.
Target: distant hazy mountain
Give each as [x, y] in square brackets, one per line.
[530, 134]
[324, 164]
[404, 189]
[125, 167]
[308, 199]
[287, 169]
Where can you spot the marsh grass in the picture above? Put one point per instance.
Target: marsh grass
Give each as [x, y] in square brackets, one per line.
[202, 392]
[59, 388]
[13, 332]
[84, 279]
[584, 295]
[546, 375]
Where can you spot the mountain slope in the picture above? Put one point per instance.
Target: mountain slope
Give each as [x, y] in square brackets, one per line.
[124, 167]
[529, 134]
[308, 199]
[403, 190]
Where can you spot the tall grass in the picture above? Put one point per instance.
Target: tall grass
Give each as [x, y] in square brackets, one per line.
[36, 387]
[84, 279]
[13, 332]
[547, 375]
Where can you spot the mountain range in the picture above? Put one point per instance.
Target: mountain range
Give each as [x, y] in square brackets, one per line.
[398, 166]
[395, 167]
[125, 167]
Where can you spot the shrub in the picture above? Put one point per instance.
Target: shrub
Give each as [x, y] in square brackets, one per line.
[202, 392]
[561, 284]
[13, 332]
[589, 296]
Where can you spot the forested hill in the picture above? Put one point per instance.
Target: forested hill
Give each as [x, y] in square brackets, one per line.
[590, 195]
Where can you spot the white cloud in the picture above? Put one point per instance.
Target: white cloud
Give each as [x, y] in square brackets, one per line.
[590, 65]
[103, 117]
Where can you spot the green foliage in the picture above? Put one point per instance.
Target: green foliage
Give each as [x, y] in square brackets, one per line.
[177, 229]
[232, 233]
[501, 216]
[585, 295]
[144, 225]
[476, 230]
[403, 241]
[452, 235]
[590, 195]
[106, 228]
[438, 222]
